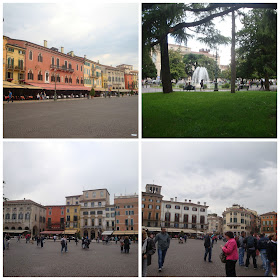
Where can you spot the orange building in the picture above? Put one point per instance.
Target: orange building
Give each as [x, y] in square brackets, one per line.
[55, 218]
[269, 223]
[151, 206]
[126, 214]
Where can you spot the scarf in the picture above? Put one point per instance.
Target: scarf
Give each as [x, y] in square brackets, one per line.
[144, 246]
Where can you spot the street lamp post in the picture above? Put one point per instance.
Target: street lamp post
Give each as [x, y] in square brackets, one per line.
[216, 72]
[55, 95]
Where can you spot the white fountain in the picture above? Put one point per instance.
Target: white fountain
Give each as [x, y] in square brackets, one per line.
[200, 73]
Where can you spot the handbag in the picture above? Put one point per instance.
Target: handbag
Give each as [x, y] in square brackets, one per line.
[223, 257]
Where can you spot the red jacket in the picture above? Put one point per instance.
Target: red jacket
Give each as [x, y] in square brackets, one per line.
[230, 250]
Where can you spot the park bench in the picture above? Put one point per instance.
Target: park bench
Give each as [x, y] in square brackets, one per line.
[189, 88]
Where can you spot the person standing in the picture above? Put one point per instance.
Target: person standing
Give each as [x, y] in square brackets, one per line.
[163, 240]
[10, 97]
[148, 249]
[38, 240]
[201, 85]
[241, 249]
[208, 247]
[262, 246]
[230, 250]
[251, 247]
[185, 237]
[42, 241]
[126, 245]
[272, 254]
[76, 240]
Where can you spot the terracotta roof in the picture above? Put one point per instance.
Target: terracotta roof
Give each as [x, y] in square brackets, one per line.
[269, 213]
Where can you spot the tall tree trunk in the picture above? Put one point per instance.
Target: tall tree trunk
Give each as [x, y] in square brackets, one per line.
[165, 68]
[233, 62]
[266, 81]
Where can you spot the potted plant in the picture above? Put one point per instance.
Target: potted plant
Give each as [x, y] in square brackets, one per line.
[92, 92]
[9, 79]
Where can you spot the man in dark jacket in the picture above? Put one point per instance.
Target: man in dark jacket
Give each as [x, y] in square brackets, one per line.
[163, 240]
[272, 254]
[251, 246]
[208, 247]
[262, 246]
[148, 249]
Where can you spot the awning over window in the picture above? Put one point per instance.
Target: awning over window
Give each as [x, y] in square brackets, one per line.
[51, 232]
[15, 230]
[70, 231]
[107, 232]
[59, 87]
[125, 232]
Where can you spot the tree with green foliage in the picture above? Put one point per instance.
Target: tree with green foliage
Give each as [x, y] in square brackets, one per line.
[161, 20]
[92, 92]
[257, 52]
[148, 67]
[177, 66]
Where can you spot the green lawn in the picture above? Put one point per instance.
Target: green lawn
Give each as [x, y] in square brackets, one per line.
[209, 114]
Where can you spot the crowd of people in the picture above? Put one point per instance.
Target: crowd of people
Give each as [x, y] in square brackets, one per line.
[232, 251]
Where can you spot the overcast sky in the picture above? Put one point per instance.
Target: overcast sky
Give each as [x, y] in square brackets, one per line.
[224, 26]
[103, 31]
[47, 172]
[220, 174]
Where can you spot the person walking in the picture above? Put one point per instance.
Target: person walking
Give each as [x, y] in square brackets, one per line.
[38, 240]
[185, 238]
[163, 240]
[251, 247]
[208, 247]
[42, 241]
[116, 239]
[262, 246]
[148, 249]
[121, 244]
[230, 250]
[10, 97]
[272, 254]
[76, 240]
[18, 238]
[262, 85]
[63, 243]
[126, 245]
[241, 249]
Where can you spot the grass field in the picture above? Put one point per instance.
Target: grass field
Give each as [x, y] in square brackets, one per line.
[210, 114]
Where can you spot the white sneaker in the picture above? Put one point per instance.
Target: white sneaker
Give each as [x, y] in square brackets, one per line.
[159, 269]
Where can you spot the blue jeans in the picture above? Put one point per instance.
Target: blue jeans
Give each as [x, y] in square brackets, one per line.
[161, 257]
[268, 268]
[208, 251]
[264, 257]
[241, 256]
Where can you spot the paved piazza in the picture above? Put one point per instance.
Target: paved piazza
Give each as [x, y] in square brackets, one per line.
[187, 260]
[99, 260]
[115, 117]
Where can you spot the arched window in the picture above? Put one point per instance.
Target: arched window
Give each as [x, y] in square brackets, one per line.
[66, 79]
[13, 228]
[30, 55]
[14, 216]
[30, 75]
[19, 228]
[52, 78]
[20, 216]
[40, 76]
[7, 217]
[27, 216]
[6, 227]
[40, 57]
[70, 80]
[26, 228]
[77, 81]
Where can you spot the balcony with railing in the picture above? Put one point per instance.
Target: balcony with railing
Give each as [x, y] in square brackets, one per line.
[61, 68]
[19, 68]
[10, 66]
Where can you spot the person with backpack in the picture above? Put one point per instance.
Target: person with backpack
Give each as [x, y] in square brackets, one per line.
[262, 246]
[251, 247]
[241, 248]
[148, 249]
[230, 251]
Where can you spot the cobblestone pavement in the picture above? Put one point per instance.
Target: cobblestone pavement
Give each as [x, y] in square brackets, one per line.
[99, 260]
[115, 117]
[187, 260]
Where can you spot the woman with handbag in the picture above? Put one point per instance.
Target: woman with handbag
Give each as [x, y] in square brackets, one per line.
[148, 249]
[230, 251]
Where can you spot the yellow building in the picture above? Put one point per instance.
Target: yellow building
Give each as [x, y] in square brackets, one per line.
[97, 75]
[73, 207]
[88, 80]
[13, 62]
[135, 79]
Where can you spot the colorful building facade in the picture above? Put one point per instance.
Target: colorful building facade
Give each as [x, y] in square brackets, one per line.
[55, 218]
[269, 223]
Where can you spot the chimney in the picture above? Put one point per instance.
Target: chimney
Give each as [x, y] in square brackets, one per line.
[204, 203]
[72, 53]
[85, 56]
[24, 199]
[186, 200]
[172, 199]
[175, 198]
[190, 201]
[198, 202]
[62, 49]
[45, 43]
